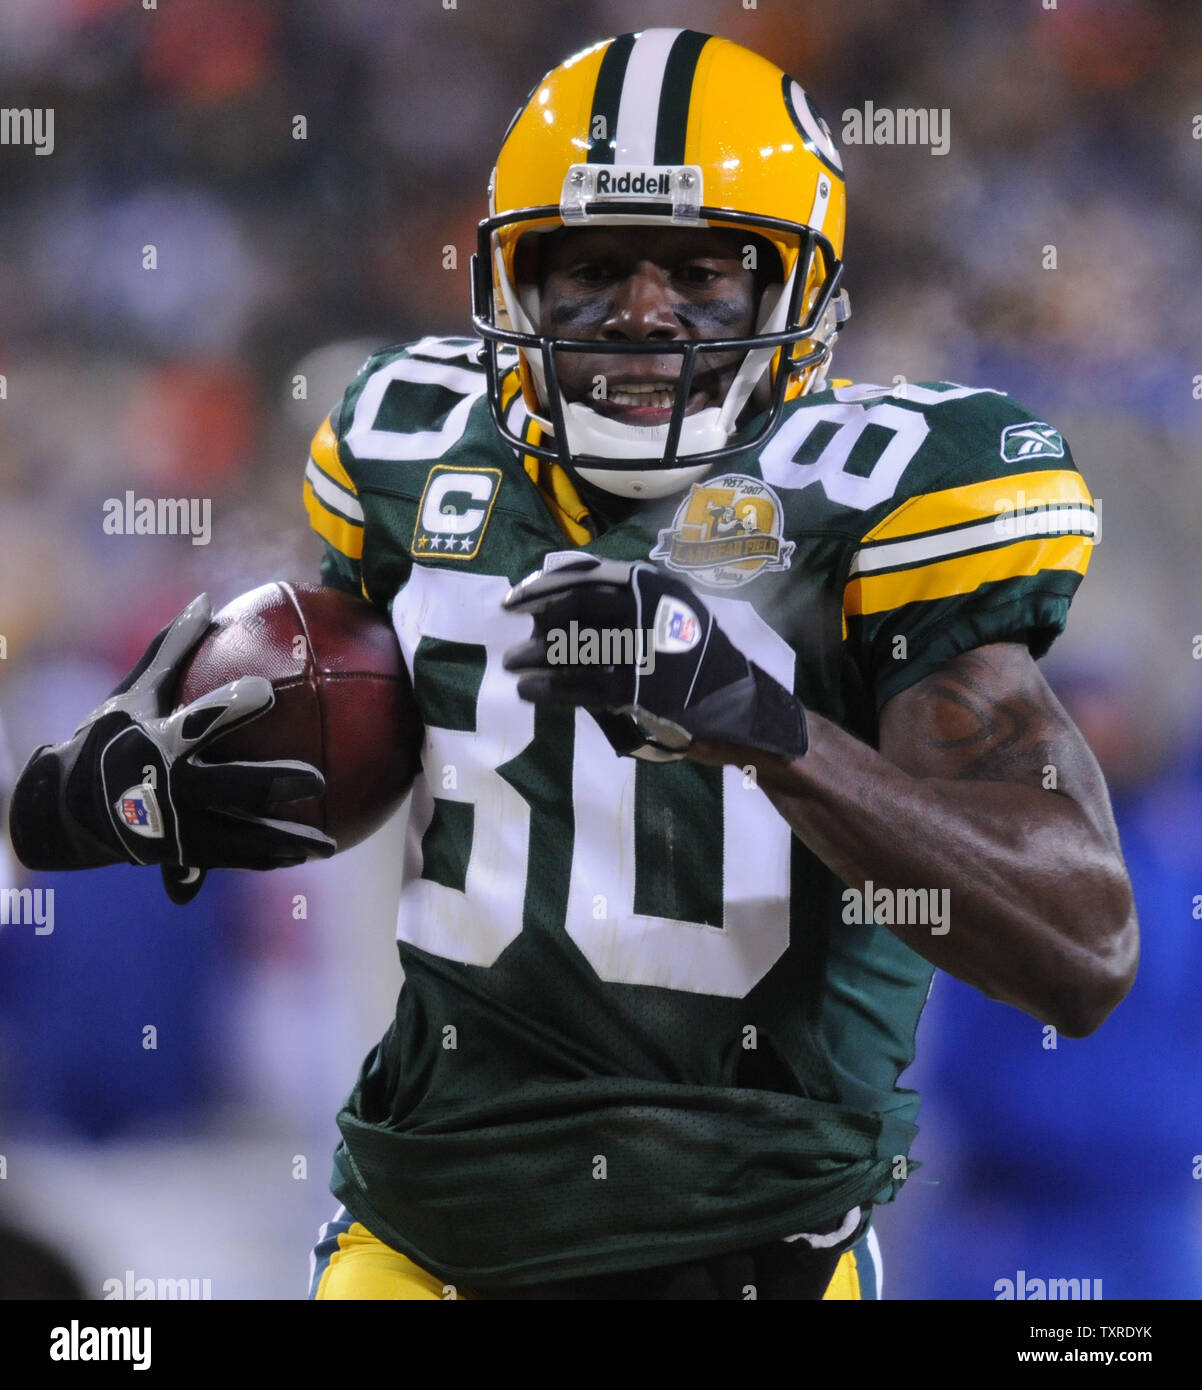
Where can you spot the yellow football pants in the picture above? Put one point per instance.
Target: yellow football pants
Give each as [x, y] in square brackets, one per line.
[363, 1267]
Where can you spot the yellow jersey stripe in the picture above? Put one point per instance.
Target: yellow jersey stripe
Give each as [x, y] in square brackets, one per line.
[569, 510]
[995, 497]
[558, 490]
[510, 385]
[876, 593]
[324, 453]
[345, 536]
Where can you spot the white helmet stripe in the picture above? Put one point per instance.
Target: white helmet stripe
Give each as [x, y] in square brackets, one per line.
[641, 90]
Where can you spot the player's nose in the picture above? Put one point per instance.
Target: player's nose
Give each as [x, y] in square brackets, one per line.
[642, 307]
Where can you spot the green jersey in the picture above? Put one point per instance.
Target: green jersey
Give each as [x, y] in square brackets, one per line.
[635, 1027]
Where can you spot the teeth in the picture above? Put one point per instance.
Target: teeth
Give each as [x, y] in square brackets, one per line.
[644, 394]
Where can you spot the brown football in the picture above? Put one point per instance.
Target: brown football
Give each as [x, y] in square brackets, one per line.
[343, 700]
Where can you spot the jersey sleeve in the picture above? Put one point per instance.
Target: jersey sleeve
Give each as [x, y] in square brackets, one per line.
[335, 511]
[995, 554]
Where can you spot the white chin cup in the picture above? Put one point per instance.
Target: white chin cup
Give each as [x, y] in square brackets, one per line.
[642, 483]
[591, 433]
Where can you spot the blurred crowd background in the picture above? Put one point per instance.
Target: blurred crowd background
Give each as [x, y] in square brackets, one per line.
[1075, 128]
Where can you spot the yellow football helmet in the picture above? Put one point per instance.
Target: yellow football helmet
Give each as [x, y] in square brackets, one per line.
[674, 128]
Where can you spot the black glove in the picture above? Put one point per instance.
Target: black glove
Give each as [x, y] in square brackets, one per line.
[677, 677]
[130, 788]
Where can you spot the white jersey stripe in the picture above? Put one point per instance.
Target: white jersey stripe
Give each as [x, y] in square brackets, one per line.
[638, 112]
[445, 348]
[335, 497]
[1004, 528]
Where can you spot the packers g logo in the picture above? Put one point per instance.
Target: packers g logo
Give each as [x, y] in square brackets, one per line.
[726, 532]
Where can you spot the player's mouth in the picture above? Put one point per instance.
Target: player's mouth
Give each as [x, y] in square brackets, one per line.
[651, 402]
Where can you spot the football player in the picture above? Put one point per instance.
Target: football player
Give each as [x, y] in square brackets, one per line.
[734, 730]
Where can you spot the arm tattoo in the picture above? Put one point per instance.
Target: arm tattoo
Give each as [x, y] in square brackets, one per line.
[976, 735]
[988, 715]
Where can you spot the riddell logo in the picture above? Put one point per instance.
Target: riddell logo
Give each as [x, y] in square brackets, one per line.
[657, 183]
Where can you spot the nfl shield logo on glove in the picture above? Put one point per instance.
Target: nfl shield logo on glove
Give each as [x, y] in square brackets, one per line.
[139, 812]
[676, 626]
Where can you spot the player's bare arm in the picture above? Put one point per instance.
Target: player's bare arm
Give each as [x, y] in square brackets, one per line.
[1041, 909]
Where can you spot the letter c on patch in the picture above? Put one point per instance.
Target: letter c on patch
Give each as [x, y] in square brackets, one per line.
[478, 487]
